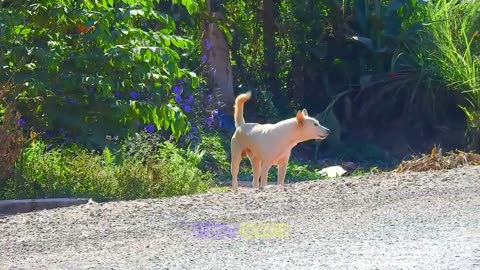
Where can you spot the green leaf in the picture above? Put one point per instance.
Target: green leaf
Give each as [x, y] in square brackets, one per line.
[190, 5]
[195, 79]
[107, 156]
[180, 42]
[147, 56]
[227, 33]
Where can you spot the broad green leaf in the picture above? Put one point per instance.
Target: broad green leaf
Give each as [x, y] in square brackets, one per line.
[147, 56]
[191, 5]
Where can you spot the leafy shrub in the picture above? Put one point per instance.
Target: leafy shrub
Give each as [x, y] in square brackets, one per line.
[77, 172]
[216, 157]
[453, 42]
[108, 66]
[298, 172]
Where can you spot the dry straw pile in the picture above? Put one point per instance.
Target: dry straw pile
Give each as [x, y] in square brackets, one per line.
[438, 161]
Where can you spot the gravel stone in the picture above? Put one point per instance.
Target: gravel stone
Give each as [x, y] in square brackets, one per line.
[428, 220]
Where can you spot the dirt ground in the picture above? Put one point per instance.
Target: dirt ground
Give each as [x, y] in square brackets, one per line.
[428, 220]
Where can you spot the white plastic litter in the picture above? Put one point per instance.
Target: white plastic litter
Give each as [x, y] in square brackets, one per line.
[333, 171]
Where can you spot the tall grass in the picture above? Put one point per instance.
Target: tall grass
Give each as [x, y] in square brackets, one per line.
[451, 34]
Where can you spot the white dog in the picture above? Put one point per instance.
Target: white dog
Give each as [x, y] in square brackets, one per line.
[269, 144]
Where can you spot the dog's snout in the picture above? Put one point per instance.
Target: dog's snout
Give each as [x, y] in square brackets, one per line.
[327, 131]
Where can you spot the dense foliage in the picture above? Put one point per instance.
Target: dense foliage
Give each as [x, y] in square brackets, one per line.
[152, 170]
[373, 65]
[92, 68]
[81, 79]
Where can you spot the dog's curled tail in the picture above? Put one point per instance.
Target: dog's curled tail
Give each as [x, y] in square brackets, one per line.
[239, 101]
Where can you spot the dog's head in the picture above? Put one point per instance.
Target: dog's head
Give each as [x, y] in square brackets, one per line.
[310, 127]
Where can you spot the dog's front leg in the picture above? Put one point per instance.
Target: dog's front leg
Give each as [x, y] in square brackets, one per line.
[265, 168]
[282, 171]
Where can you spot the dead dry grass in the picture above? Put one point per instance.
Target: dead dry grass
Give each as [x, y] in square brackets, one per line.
[436, 160]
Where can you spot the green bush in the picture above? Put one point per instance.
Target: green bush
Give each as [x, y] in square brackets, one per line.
[74, 171]
[108, 66]
[216, 157]
[452, 41]
[299, 172]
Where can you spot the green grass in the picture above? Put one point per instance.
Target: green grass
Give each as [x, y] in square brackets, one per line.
[296, 172]
[141, 169]
[452, 39]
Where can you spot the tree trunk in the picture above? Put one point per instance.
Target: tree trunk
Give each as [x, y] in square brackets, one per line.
[270, 51]
[217, 52]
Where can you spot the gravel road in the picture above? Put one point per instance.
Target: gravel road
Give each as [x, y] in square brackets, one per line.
[388, 221]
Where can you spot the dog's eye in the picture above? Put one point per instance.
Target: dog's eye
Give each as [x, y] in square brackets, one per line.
[316, 124]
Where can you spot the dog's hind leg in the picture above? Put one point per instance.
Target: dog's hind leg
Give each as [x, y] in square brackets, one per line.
[264, 175]
[282, 171]
[235, 165]
[257, 170]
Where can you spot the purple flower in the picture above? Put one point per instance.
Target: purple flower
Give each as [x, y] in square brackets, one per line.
[204, 58]
[178, 99]
[134, 95]
[21, 121]
[47, 135]
[194, 129]
[62, 131]
[214, 112]
[180, 81]
[149, 128]
[207, 44]
[210, 121]
[190, 99]
[190, 135]
[71, 100]
[186, 108]
[209, 98]
[118, 94]
[177, 90]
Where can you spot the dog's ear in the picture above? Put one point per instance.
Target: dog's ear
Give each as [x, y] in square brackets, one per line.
[300, 118]
[305, 112]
